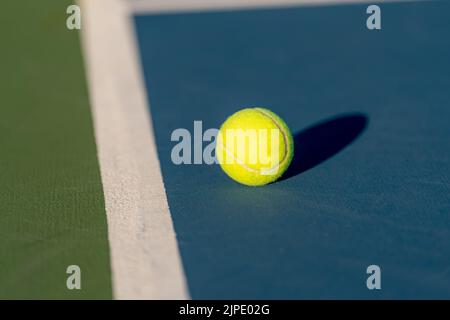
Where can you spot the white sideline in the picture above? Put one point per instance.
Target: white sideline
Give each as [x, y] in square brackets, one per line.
[145, 260]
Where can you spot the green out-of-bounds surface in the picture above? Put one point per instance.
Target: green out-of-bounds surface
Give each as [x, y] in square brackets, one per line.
[52, 212]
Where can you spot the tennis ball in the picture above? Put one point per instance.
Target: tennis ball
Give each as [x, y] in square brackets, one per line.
[254, 146]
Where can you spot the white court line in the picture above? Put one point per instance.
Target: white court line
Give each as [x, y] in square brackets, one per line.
[161, 6]
[145, 260]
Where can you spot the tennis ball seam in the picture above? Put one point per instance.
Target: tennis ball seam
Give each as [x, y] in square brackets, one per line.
[238, 161]
[280, 163]
[285, 139]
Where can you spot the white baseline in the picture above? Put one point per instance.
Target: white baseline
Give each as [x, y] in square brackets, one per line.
[163, 6]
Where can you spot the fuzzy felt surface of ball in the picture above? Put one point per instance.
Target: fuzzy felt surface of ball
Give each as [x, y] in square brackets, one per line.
[254, 146]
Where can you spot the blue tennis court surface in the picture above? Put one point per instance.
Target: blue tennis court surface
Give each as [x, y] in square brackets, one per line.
[370, 182]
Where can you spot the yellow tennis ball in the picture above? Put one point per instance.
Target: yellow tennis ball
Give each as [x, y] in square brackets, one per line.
[254, 146]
